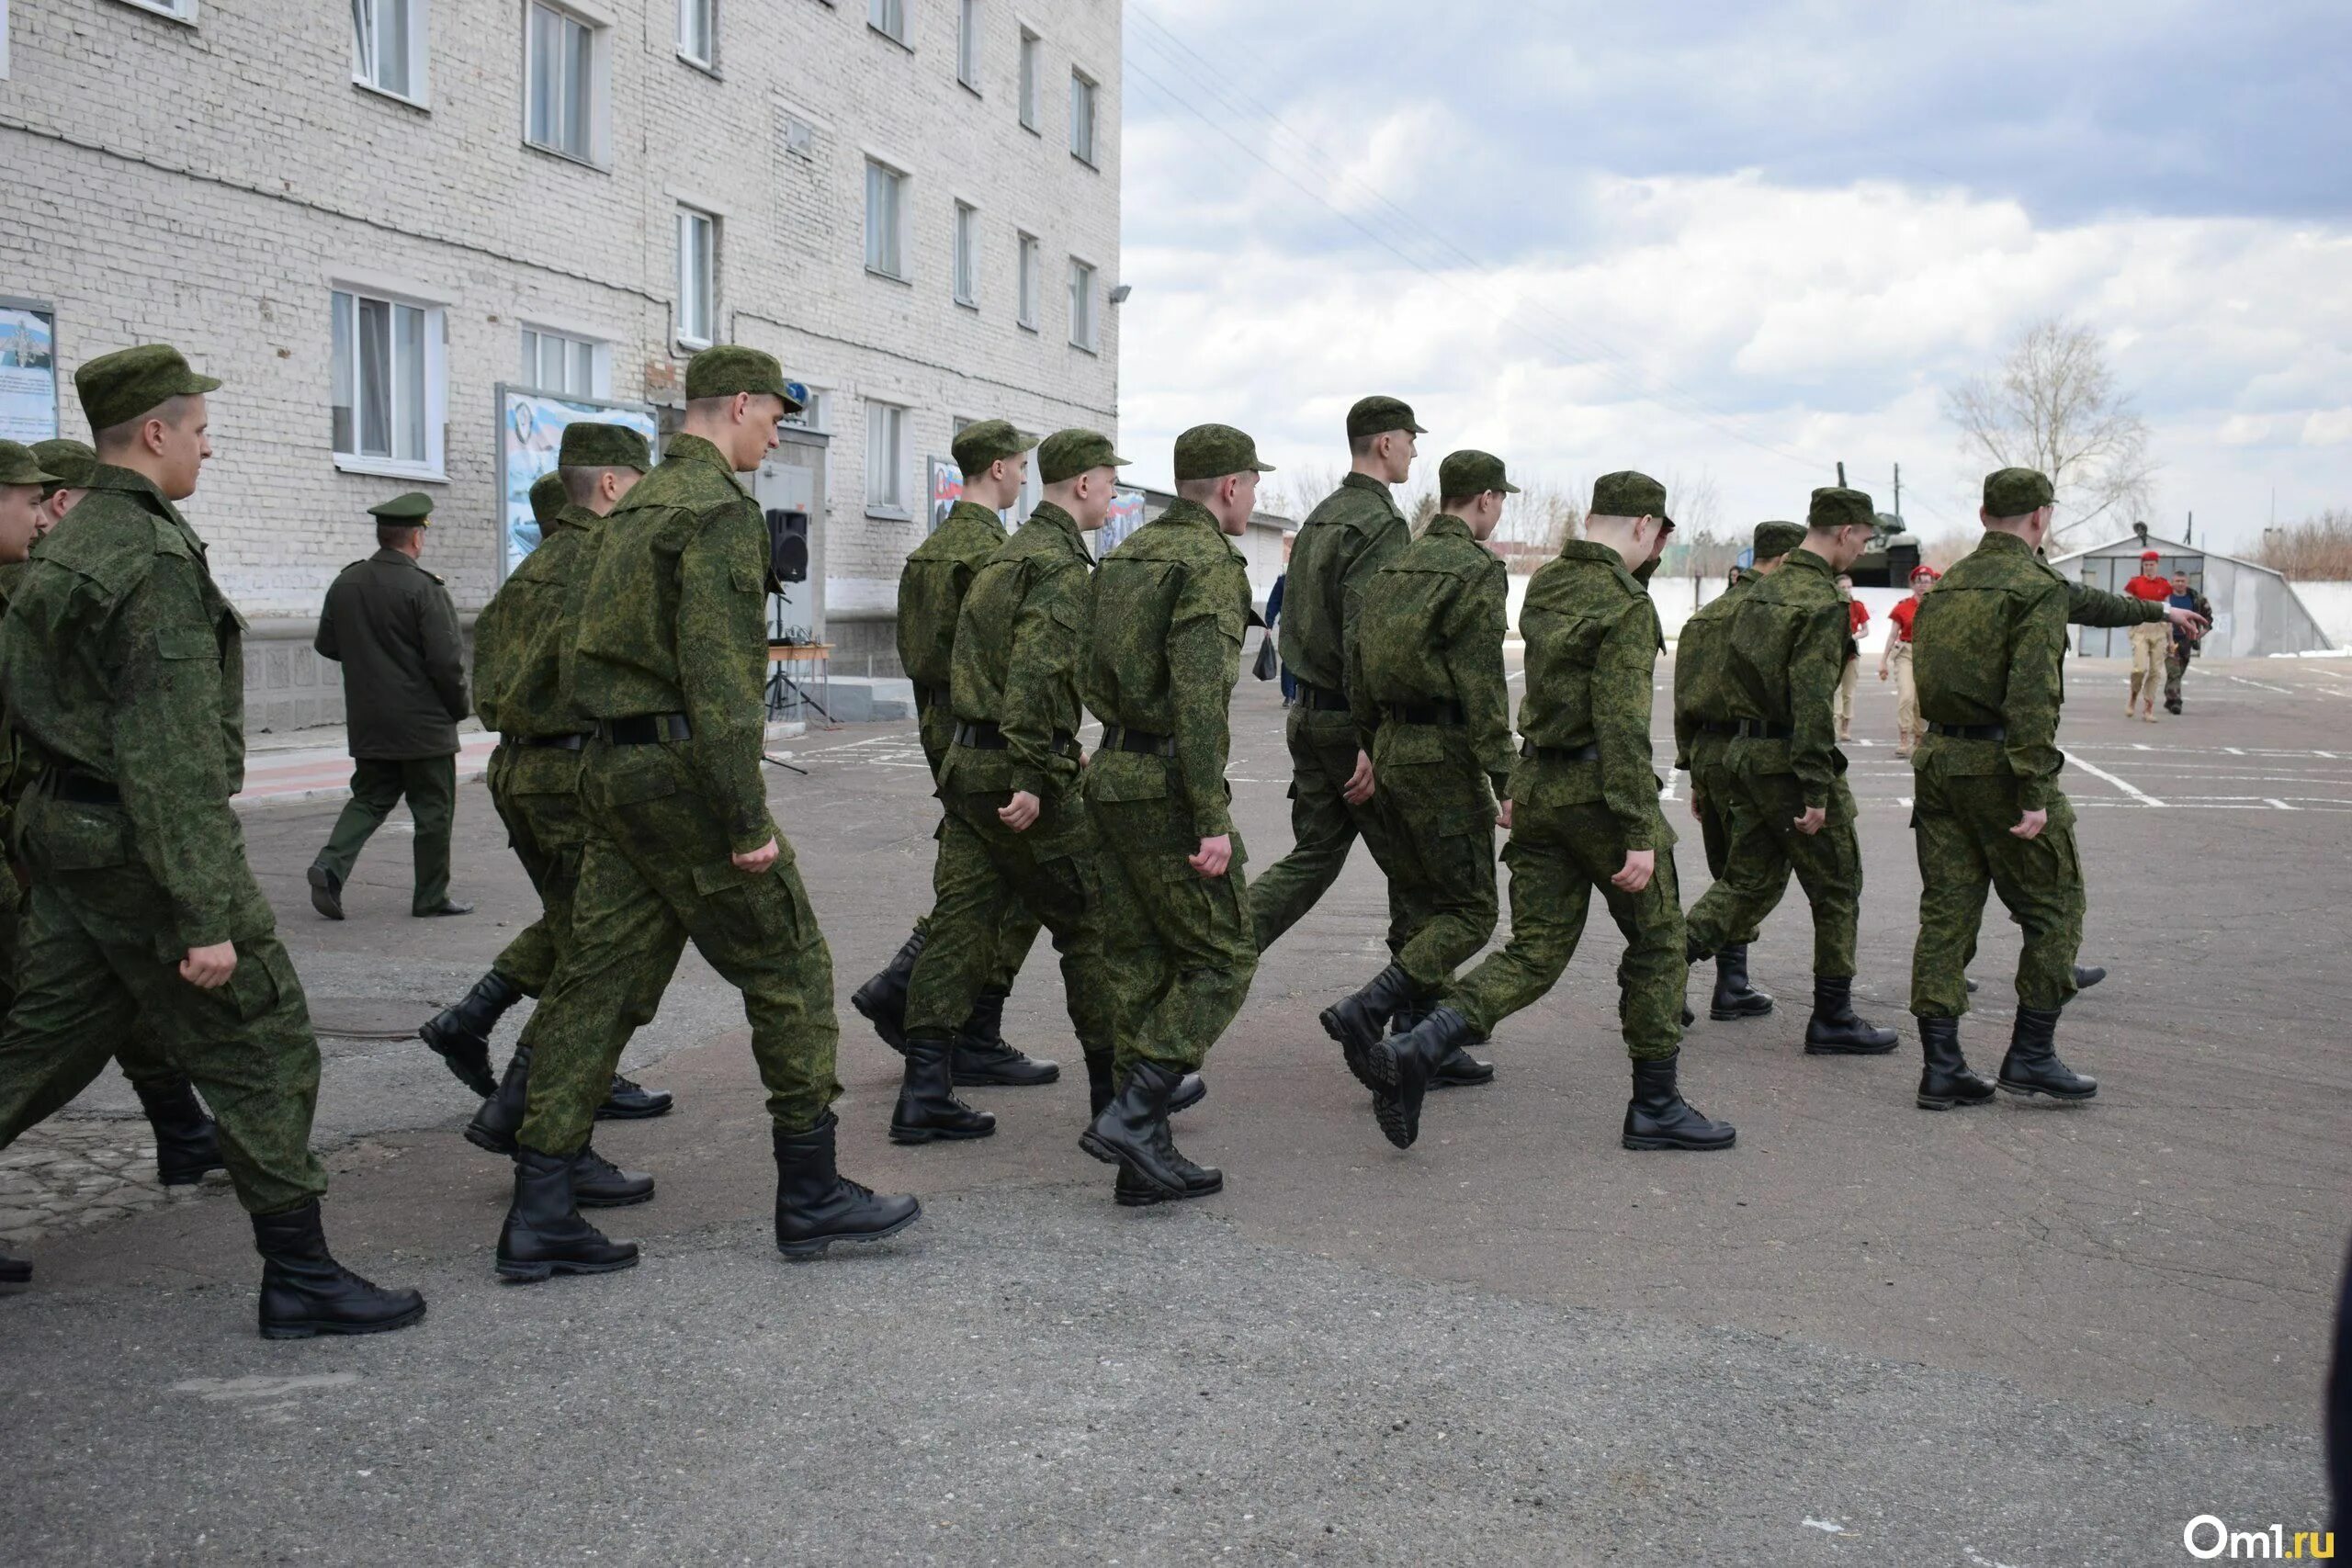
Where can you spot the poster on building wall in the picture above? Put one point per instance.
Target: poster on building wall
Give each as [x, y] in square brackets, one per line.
[28, 371]
[530, 433]
[1126, 516]
[944, 491]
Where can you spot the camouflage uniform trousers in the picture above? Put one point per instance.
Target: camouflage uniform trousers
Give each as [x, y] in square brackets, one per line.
[2176, 667]
[1323, 827]
[1717, 797]
[655, 873]
[1051, 869]
[1962, 824]
[535, 790]
[1440, 816]
[1177, 943]
[430, 784]
[143, 1062]
[1765, 848]
[958, 864]
[1559, 856]
[100, 958]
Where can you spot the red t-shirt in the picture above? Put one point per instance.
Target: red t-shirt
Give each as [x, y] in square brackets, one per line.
[1862, 616]
[2154, 588]
[1901, 616]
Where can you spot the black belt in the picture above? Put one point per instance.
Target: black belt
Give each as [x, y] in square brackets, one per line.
[1717, 726]
[1761, 729]
[988, 736]
[1971, 732]
[1320, 699]
[1449, 713]
[1588, 752]
[546, 742]
[644, 729]
[930, 696]
[1117, 738]
[84, 789]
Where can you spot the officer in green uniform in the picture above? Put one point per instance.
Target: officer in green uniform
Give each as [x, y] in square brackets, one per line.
[993, 457]
[1349, 536]
[1170, 606]
[390, 624]
[1706, 716]
[1583, 816]
[122, 670]
[670, 663]
[1790, 808]
[1426, 680]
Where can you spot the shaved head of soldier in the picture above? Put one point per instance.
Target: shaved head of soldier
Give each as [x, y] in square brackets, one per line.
[741, 424]
[1636, 540]
[598, 490]
[1230, 498]
[1086, 496]
[169, 443]
[2032, 527]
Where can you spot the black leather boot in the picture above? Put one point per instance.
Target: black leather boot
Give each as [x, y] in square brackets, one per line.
[1130, 1192]
[1835, 1029]
[983, 1059]
[459, 1035]
[1402, 1067]
[1735, 997]
[1946, 1080]
[882, 1001]
[544, 1234]
[817, 1206]
[501, 1116]
[928, 1109]
[1189, 1091]
[629, 1101]
[15, 1270]
[598, 1183]
[1132, 1130]
[186, 1143]
[2033, 1066]
[1358, 1019]
[305, 1291]
[2087, 975]
[1658, 1117]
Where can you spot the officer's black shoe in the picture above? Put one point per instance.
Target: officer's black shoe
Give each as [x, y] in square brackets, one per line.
[544, 1234]
[1946, 1080]
[983, 1060]
[629, 1101]
[1357, 1020]
[1459, 1069]
[598, 1183]
[326, 892]
[447, 906]
[15, 1270]
[501, 1116]
[1132, 1130]
[2087, 975]
[1835, 1030]
[1735, 997]
[305, 1291]
[459, 1035]
[1658, 1117]
[1401, 1068]
[882, 1001]
[186, 1143]
[2033, 1066]
[927, 1108]
[817, 1206]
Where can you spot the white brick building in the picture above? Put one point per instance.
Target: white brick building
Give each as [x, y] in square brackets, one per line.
[354, 213]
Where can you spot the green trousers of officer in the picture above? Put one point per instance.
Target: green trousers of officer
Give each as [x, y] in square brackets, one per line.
[1049, 872]
[1961, 826]
[1716, 794]
[1323, 828]
[1439, 817]
[1766, 847]
[430, 787]
[655, 873]
[1559, 856]
[535, 790]
[958, 863]
[1178, 943]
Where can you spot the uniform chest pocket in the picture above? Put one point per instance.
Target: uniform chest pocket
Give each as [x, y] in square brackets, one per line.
[187, 642]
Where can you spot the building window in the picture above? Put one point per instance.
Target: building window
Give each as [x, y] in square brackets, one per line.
[812, 413]
[1082, 305]
[885, 200]
[1032, 51]
[888, 17]
[386, 394]
[968, 254]
[1082, 117]
[968, 44]
[698, 277]
[1029, 282]
[556, 362]
[561, 66]
[886, 458]
[178, 10]
[388, 47]
[698, 33]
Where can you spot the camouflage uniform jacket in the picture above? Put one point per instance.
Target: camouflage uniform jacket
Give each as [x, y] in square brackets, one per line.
[120, 658]
[1787, 649]
[524, 632]
[673, 618]
[1018, 642]
[1163, 650]
[1988, 647]
[1431, 630]
[931, 586]
[1704, 689]
[1350, 536]
[11, 785]
[1592, 644]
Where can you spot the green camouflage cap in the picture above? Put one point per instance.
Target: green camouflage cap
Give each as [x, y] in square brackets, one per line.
[1066, 454]
[20, 467]
[548, 495]
[589, 444]
[1627, 493]
[117, 388]
[2013, 492]
[1835, 507]
[728, 369]
[990, 441]
[1378, 416]
[1213, 451]
[70, 460]
[1471, 473]
[412, 507]
[1774, 540]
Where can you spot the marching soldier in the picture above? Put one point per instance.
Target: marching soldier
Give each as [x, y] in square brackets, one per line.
[124, 676]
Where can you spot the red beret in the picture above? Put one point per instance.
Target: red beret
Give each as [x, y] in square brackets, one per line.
[2151, 555]
[1927, 571]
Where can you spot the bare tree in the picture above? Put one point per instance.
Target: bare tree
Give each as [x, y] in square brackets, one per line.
[1299, 492]
[2054, 405]
[1949, 547]
[2317, 550]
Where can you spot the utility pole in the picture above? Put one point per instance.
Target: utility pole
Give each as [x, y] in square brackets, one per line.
[1898, 490]
[1841, 483]
[2191, 537]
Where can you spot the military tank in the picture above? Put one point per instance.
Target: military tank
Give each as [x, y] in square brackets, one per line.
[1894, 552]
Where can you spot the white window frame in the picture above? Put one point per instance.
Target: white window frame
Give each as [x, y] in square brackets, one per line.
[885, 255]
[1033, 73]
[419, 55]
[812, 413]
[1083, 279]
[177, 10]
[703, 13]
[698, 293]
[968, 44]
[434, 412]
[1030, 280]
[886, 458]
[1083, 89]
[579, 350]
[877, 16]
[596, 112]
[965, 250]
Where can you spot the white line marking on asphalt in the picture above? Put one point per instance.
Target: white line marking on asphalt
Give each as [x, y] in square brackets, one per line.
[2138, 746]
[2134, 791]
[2283, 691]
[2234, 750]
[2269, 800]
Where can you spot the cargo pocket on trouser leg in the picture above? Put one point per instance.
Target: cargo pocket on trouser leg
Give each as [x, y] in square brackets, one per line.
[248, 1048]
[761, 935]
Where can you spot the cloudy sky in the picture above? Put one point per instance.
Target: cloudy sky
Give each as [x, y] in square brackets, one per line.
[1733, 244]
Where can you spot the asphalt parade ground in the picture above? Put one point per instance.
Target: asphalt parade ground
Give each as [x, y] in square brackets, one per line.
[2017, 1337]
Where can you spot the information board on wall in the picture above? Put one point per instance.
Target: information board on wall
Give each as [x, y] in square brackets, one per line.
[1126, 516]
[530, 433]
[28, 371]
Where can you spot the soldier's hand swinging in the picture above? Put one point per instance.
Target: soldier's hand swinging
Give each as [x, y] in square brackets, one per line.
[1359, 784]
[1215, 856]
[208, 968]
[1813, 820]
[1502, 817]
[2031, 825]
[1019, 812]
[757, 862]
[1640, 867]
